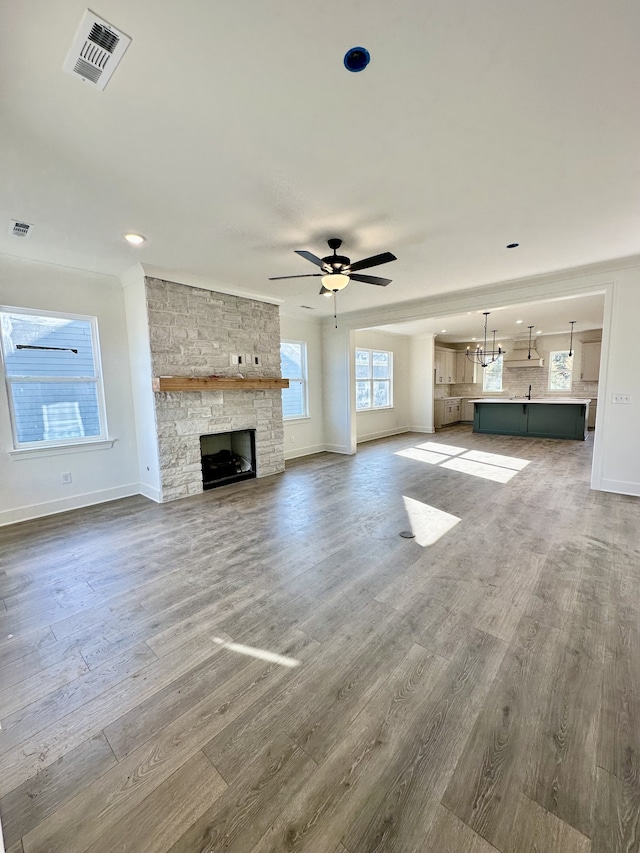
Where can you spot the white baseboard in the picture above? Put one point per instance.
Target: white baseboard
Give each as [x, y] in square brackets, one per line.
[428, 430]
[25, 513]
[372, 436]
[296, 452]
[620, 487]
[338, 448]
[150, 492]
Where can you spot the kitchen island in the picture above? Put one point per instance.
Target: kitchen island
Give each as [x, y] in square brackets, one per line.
[545, 417]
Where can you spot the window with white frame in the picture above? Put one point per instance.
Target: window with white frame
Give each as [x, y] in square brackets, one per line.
[560, 370]
[374, 373]
[54, 382]
[293, 358]
[492, 375]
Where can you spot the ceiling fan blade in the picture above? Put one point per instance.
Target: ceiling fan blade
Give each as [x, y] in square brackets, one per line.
[310, 275]
[310, 257]
[370, 279]
[373, 261]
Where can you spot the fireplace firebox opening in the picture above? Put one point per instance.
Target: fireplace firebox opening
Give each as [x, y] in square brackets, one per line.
[228, 457]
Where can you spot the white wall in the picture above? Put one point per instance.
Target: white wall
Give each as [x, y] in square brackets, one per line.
[421, 382]
[135, 302]
[31, 486]
[617, 438]
[376, 424]
[306, 435]
[338, 372]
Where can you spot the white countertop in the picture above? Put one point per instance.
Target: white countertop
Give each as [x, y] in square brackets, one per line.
[579, 401]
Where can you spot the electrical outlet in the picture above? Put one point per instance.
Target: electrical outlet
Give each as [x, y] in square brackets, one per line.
[248, 358]
[239, 359]
[292, 439]
[66, 478]
[233, 359]
[256, 360]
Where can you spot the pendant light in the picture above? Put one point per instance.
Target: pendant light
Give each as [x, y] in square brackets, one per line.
[481, 355]
[573, 322]
[530, 328]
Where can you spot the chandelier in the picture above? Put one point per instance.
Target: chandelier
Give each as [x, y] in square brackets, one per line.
[481, 355]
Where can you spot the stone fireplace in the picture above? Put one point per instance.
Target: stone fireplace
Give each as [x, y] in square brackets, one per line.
[195, 332]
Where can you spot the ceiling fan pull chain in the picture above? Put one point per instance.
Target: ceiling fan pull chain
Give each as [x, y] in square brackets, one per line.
[335, 308]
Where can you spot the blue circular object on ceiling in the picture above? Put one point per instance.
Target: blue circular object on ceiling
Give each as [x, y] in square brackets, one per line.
[356, 59]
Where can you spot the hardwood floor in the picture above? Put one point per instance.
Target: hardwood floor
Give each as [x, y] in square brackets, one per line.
[270, 667]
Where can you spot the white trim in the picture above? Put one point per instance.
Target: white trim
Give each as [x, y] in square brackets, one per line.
[427, 430]
[60, 449]
[619, 487]
[150, 492]
[339, 448]
[304, 451]
[97, 380]
[371, 379]
[303, 380]
[25, 513]
[382, 434]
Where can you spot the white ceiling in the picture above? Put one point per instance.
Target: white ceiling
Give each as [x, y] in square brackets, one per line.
[231, 134]
[552, 317]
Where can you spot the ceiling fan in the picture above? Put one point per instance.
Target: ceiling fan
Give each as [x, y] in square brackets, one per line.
[338, 271]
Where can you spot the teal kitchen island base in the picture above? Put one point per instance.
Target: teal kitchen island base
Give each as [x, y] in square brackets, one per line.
[543, 418]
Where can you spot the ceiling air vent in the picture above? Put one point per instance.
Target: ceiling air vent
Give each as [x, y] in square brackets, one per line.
[20, 229]
[96, 51]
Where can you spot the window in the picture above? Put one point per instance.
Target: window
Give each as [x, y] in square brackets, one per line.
[492, 375]
[560, 370]
[373, 379]
[52, 370]
[293, 358]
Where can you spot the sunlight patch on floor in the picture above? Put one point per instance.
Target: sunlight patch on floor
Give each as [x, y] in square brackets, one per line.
[480, 469]
[262, 654]
[422, 455]
[495, 459]
[427, 523]
[477, 463]
[447, 449]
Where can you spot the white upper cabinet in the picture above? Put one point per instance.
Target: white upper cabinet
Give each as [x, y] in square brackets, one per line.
[445, 362]
[590, 368]
[465, 369]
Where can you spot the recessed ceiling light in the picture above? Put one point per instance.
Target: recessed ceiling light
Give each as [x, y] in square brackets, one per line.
[473, 339]
[518, 321]
[539, 332]
[442, 331]
[134, 239]
[512, 245]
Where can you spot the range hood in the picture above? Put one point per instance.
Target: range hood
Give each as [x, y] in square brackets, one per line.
[518, 355]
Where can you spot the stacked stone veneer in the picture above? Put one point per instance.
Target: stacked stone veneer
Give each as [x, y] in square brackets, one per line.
[193, 332]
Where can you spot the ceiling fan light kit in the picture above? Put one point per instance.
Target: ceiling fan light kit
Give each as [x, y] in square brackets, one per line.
[334, 281]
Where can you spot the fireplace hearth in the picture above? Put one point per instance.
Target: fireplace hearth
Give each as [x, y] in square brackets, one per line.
[228, 457]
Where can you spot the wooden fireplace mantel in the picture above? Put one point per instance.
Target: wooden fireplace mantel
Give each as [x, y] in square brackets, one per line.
[222, 383]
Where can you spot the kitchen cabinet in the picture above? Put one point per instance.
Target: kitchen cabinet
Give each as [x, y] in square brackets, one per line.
[535, 418]
[590, 368]
[445, 363]
[466, 411]
[465, 369]
[446, 411]
[591, 420]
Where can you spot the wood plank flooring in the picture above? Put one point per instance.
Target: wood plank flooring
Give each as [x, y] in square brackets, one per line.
[270, 667]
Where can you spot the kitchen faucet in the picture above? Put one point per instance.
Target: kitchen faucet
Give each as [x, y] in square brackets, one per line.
[528, 396]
